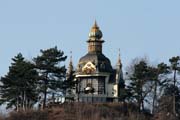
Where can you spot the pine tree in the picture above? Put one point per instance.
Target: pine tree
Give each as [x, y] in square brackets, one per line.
[139, 78]
[168, 84]
[156, 74]
[172, 82]
[69, 83]
[174, 68]
[18, 87]
[51, 74]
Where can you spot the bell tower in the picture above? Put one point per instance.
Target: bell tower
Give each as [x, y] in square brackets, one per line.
[95, 41]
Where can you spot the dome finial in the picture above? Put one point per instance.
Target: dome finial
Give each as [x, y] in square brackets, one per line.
[95, 33]
[95, 24]
[71, 56]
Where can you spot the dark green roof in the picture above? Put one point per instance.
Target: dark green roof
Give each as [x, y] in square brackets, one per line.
[101, 62]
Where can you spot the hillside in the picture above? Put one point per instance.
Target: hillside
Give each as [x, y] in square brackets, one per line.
[82, 111]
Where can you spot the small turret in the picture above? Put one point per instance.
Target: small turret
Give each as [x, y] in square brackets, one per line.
[119, 64]
[70, 67]
[119, 73]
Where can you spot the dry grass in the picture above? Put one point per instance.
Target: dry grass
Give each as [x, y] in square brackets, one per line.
[28, 115]
[80, 111]
[106, 111]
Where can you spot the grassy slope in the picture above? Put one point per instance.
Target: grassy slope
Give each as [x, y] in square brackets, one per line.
[80, 111]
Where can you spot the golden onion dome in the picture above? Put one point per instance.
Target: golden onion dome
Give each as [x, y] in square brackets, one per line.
[95, 32]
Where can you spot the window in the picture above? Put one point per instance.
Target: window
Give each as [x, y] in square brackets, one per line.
[101, 85]
[97, 83]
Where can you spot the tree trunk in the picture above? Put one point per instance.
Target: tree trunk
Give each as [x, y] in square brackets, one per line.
[175, 78]
[45, 90]
[92, 98]
[22, 100]
[26, 101]
[139, 104]
[23, 96]
[154, 98]
[17, 106]
[45, 95]
[174, 98]
[174, 104]
[142, 102]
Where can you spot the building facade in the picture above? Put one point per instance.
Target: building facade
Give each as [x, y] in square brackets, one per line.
[96, 79]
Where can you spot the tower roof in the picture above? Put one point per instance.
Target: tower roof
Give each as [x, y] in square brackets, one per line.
[95, 33]
[119, 60]
[101, 62]
[70, 67]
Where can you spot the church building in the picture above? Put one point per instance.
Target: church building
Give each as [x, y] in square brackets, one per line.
[96, 79]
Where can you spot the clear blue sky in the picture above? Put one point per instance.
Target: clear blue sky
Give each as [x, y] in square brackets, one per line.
[137, 27]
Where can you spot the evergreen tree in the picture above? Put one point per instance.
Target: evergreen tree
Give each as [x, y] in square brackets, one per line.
[69, 83]
[18, 87]
[169, 87]
[171, 81]
[51, 74]
[174, 68]
[139, 87]
[156, 74]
